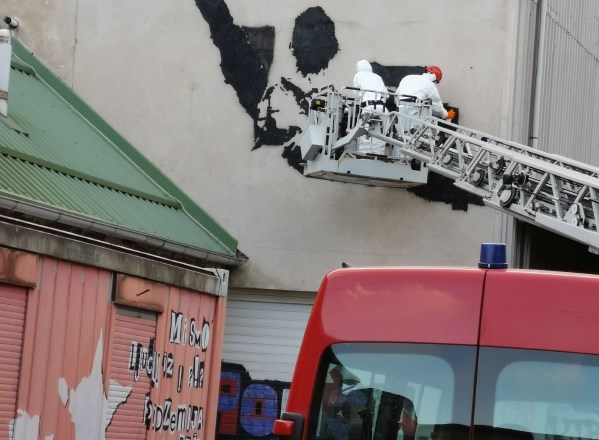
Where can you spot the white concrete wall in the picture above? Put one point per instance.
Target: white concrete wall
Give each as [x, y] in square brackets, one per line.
[151, 69]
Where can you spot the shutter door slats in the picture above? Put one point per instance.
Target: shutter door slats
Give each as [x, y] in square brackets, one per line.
[13, 303]
[127, 422]
[264, 336]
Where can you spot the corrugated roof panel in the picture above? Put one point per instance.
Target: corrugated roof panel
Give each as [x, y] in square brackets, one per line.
[61, 138]
[57, 154]
[20, 180]
[26, 62]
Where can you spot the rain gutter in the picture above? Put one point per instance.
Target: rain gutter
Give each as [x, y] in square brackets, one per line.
[110, 230]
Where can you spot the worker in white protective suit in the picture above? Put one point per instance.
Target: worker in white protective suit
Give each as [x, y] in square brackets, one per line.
[412, 92]
[423, 87]
[373, 98]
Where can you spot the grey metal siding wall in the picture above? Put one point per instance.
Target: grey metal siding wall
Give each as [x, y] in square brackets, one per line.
[569, 101]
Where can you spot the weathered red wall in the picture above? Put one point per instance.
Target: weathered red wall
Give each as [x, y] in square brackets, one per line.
[71, 374]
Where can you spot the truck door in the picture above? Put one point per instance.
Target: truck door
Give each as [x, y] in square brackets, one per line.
[538, 368]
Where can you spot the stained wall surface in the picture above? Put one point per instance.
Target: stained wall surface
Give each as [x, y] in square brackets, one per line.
[214, 92]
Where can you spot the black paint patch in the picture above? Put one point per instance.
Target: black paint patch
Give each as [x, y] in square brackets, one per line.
[240, 62]
[262, 40]
[293, 155]
[268, 133]
[314, 43]
[392, 75]
[439, 188]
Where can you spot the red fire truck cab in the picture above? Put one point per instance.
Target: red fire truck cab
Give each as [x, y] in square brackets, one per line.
[448, 354]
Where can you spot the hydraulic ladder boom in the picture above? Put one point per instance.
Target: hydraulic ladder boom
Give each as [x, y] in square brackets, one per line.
[547, 190]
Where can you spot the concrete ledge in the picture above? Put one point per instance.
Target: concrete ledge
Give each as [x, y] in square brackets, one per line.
[57, 245]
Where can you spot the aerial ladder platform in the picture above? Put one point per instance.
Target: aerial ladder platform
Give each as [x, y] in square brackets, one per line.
[547, 190]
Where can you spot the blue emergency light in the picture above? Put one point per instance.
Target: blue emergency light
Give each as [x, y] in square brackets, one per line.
[492, 256]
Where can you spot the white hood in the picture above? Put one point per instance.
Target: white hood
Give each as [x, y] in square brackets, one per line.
[372, 84]
[363, 66]
[430, 76]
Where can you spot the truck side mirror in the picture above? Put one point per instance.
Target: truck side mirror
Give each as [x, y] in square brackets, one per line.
[283, 428]
[289, 426]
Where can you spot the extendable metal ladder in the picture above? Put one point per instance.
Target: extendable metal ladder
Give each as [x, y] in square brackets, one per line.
[550, 191]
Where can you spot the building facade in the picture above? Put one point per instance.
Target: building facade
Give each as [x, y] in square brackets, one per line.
[92, 352]
[215, 94]
[110, 326]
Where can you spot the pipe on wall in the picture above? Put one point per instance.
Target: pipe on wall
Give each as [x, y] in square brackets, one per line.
[539, 69]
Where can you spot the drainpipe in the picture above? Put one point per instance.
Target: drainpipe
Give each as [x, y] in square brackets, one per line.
[536, 107]
[5, 55]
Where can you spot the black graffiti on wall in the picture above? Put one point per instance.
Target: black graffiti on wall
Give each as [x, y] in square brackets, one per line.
[246, 58]
[247, 408]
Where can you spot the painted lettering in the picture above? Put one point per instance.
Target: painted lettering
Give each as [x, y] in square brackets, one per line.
[194, 334]
[196, 374]
[179, 378]
[205, 335]
[168, 363]
[147, 417]
[144, 359]
[175, 332]
[164, 417]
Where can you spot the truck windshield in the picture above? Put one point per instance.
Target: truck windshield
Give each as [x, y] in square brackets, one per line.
[389, 391]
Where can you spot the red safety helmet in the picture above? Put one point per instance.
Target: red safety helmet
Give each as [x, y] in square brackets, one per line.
[435, 71]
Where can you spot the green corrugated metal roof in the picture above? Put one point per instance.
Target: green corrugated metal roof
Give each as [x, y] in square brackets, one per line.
[58, 154]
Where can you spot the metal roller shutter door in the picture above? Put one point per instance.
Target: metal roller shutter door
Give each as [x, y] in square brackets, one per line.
[13, 303]
[130, 327]
[263, 333]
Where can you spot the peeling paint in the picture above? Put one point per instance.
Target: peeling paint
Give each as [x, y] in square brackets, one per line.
[24, 427]
[91, 411]
[89, 407]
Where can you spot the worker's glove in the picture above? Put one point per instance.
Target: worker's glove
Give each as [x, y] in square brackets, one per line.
[450, 114]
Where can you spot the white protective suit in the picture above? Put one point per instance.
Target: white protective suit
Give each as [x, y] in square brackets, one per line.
[423, 88]
[373, 98]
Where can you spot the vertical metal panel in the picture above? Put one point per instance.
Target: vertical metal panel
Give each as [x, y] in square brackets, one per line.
[570, 90]
[132, 344]
[70, 331]
[179, 388]
[175, 353]
[66, 315]
[13, 302]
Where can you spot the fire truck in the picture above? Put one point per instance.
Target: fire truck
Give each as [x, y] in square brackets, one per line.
[415, 353]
